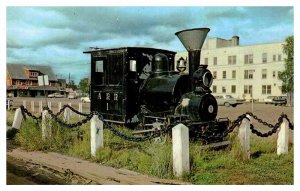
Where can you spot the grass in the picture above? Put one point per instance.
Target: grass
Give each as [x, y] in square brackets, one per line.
[227, 166]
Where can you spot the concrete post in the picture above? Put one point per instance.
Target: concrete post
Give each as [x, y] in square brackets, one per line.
[180, 142]
[24, 103]
[244, 136]
[49, 105]
[32, 106]
[70, 104]
[67, 114]
[59, 106]
[46, 124]
[8, 104]
[283, 138]
[80, 108]
[96, 134]
[40, 106]
[17, 119]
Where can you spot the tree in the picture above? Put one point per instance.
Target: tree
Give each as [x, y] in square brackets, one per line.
[84, 85]
[287, 76]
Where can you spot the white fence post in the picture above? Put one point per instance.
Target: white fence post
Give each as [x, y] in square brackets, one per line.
[40, 106]
[17, 119]
[46, 124]
[283, 138]
[49, 105]
[67, 112]
[59, 106]
[244, 136]
[96, 134]
[32, 106]
[8, 104]
[70, 114]
[24, 103]
[180, 142]
[80, 108]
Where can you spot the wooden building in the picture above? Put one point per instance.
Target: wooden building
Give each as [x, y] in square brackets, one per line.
[22, 80]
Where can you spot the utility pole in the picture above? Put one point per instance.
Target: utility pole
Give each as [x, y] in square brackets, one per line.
[69, 79]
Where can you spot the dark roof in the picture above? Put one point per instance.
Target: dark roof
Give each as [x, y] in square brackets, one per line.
[16, 71]
[128, 48]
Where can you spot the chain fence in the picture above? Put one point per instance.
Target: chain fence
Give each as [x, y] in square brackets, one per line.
[158, 133]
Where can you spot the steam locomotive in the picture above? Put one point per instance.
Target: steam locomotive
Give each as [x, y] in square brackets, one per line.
[139, 87]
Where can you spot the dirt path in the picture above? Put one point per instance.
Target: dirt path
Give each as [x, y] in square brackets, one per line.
[80, 171]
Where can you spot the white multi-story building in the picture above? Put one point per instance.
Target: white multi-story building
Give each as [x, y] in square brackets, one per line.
[244, 72]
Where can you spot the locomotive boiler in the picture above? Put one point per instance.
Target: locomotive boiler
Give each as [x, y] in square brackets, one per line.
[139, 87]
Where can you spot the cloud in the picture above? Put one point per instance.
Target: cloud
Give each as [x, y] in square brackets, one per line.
[58, 35]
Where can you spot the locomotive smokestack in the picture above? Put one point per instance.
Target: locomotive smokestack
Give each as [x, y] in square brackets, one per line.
[192, 40]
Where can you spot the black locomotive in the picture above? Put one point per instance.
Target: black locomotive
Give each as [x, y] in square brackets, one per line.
[138, 87]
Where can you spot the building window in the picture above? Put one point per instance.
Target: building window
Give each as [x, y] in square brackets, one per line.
[233, 89]
[231, 60]
[266, 89]
[215, 74]
[18, 82]
[206, 61]
[223, 89]
[264, 74]
[264, 58]
[33, 74]
[274, 57]
[233, 74]
[29, 83]
[224, 74]
[279, 57]
[214, 89]
[215, 61]
[248, 89]
[99, 66]
[274, 74]
[248, 74]
[248, 59]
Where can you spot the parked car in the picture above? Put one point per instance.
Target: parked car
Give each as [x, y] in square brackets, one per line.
[227, 100]
[280, 100]
[55, 95]
[269, 99]
[85, 99]
[71, 96]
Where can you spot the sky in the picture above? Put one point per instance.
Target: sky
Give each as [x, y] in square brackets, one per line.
[57, 36]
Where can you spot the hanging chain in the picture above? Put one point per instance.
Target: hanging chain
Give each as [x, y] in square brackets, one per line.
[71, 125]
[260, 120]
[154, 134]
[214, 136]
[208, 135]
[26, 112]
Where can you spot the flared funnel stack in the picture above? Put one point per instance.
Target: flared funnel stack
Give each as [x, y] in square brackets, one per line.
[192, 40]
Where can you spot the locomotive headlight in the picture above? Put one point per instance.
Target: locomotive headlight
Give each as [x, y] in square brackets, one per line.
[207, 79]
